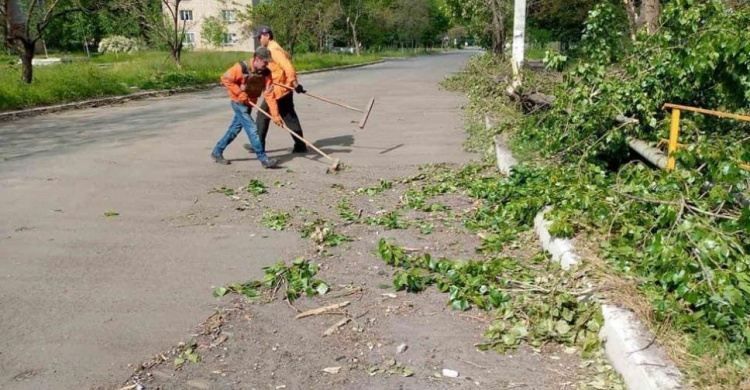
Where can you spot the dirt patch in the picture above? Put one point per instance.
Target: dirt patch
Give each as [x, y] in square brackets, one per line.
[391, 339]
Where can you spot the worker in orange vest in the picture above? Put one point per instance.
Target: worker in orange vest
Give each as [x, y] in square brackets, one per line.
[245, 82]
[282, 72]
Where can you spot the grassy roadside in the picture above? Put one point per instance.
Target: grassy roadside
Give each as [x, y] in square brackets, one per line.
[658, 235]
[117, 75]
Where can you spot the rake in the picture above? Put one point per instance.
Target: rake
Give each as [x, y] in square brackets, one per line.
[335, 162]
[365, 112]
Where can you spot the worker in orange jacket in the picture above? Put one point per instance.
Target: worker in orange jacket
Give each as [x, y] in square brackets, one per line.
[245, 82]
[282, 72]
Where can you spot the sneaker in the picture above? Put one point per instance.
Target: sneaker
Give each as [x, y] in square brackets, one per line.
[299, 149]
[270, 163]
[220, 159]
[249, 148]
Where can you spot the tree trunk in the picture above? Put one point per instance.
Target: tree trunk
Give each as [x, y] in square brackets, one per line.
[632, 18]
[649, 17]
[177, 55]
[27, 57]
[354, 37]
[498, 28]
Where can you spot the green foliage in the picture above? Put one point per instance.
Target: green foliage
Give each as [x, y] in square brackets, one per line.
[603, 35]
[306, 25]
[383, 186]
[186, 353]
[256, 187]
[389, 220]
[683, 236]
[390, 367]
[171, 79]
[345, 210]
[554, 61]
[298, 279]
[426, 228]
[533, 304]
[322, 234]
[223, 190]
[275, 220]
[697, 58]
[110, 75]
[412, 280]
[559, 20]
[213, 31]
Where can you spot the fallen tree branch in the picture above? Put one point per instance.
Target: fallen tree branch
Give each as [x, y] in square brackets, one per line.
[323, 309]
[336, 326]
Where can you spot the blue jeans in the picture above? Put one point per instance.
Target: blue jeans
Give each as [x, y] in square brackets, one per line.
[242, 120]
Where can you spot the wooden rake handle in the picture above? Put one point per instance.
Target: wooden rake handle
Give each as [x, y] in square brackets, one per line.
[283, 126]
[312, 95]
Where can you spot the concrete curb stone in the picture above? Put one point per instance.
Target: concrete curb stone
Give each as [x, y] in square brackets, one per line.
[628, 344]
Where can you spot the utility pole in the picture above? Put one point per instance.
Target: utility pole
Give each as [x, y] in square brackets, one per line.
[519, 32]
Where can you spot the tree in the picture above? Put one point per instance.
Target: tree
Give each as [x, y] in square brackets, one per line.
[25, 22]
[289, 19]
[412, 19]
[214, 31]
[647, 16]
[325, 14]
[354, 11]
[166, 27]
[563, 19]
[486, 19]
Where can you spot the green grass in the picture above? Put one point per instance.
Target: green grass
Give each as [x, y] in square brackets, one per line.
[535, 53]
[116, 75]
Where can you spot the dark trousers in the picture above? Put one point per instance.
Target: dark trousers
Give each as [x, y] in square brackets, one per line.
[287, 113]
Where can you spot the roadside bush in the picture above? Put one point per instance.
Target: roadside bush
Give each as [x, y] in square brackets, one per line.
[119, 44]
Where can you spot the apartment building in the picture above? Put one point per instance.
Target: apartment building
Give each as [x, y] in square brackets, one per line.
[192, 12]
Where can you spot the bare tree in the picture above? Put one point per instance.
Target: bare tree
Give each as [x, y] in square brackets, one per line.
[166, 27]
[24, 23]
[353, 10]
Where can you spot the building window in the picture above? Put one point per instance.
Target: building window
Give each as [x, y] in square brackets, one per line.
[228, 15]
[189, 39]
[186, 15]
[230, 39]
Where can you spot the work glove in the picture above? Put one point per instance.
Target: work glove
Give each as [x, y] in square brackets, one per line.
[299, 89]
[277, 120]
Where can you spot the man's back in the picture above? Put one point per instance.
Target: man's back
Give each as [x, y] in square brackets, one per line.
[282, 70]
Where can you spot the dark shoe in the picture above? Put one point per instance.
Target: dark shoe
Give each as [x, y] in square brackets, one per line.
[270, 163]
[249, 148]
[220, 159]
[299, 149]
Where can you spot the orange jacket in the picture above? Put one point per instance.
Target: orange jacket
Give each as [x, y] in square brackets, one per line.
[282, 69]
[253, 84]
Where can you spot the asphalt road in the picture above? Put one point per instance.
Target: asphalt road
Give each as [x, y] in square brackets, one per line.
[83, 295]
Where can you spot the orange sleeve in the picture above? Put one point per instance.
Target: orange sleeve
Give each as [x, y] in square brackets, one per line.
[273, 107]
[280, 58]
[232, 79]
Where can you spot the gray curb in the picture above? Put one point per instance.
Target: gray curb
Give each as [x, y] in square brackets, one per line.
[628, 344]
[560, 248]
[13, 115]
[341, 67]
